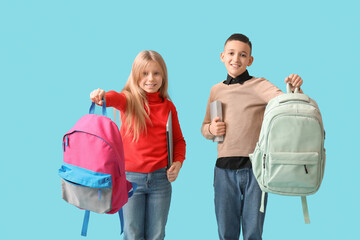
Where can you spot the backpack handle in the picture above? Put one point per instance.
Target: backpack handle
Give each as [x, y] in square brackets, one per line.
[92, 108]
[288, 88]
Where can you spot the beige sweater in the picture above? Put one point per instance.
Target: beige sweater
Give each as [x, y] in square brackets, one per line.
[243, 108]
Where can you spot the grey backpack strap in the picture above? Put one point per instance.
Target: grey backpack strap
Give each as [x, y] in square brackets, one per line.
[117, 112]
[305, 209]
[114, 114]
[262, 206]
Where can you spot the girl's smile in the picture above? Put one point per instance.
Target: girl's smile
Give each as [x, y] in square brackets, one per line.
[151, 78]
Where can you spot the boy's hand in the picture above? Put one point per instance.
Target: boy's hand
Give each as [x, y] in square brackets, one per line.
[173, 171]
[295, 80]
[217, 128]
[97, 96]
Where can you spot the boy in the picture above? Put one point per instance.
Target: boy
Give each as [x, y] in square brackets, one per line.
[243, 98]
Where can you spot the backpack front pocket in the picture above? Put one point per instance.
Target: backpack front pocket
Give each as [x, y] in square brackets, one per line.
[86, 189]
[293, 172]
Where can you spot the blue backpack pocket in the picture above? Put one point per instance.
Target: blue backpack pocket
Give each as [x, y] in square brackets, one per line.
[86, 189]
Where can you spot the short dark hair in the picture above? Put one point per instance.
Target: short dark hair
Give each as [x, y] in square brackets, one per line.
[239, 37]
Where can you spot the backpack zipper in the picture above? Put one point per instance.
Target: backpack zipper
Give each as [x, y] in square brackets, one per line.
[282, 104]
[306, 170]
[286, 114]
[301, 115]
[263, 180]
[264, 157]
[67, 142]
[290, 102]
[67, 139]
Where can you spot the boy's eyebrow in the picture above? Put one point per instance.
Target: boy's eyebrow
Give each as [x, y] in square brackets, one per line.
[234, 50]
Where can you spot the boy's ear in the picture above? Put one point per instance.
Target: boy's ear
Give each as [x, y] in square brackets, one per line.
[222, 57]
[251, 60]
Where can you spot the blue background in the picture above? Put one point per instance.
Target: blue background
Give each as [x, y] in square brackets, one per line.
[54, 53]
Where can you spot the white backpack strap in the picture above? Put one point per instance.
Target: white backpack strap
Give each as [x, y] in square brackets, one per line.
[262, 206]
[305, 209]
[288, 88]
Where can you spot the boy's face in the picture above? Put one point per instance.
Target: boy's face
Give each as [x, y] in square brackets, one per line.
[236, 57]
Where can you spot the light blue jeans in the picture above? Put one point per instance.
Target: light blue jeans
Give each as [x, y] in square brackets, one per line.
[146, 213]
[237, 203]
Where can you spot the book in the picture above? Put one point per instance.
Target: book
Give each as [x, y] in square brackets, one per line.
[216, 111]
[169, 138]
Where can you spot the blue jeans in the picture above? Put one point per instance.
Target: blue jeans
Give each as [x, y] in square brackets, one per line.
[237, 203]
[146, 213]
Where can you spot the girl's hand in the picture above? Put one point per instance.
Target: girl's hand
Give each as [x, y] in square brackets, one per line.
[295, 81]
[97, 96]
[173, 171]
[217, 128]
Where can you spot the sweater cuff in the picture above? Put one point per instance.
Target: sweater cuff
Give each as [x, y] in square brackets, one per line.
[115, 99]
[181, 161]
[206, 132]
[108, 96]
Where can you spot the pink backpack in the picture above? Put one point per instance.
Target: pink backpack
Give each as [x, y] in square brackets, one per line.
[93, 173]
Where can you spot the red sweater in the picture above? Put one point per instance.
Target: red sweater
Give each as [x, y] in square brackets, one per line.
[149, 153]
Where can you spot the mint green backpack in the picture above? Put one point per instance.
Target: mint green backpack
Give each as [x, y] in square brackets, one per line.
[289, 158]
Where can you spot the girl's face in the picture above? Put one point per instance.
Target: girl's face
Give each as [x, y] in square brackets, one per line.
[151, 78]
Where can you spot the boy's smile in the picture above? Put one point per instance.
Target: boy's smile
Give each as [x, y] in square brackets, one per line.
[237, 57]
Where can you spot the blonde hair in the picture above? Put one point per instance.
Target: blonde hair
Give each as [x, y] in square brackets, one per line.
[137, 108]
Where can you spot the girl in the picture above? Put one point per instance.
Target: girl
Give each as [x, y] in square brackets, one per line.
[144, 105]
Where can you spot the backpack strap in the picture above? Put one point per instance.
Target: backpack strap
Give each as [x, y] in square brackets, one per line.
[305, 209]
[131, 186]
[85, 223]
[92, 108]
[262, 206]
[288, 88]
[121, 217]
